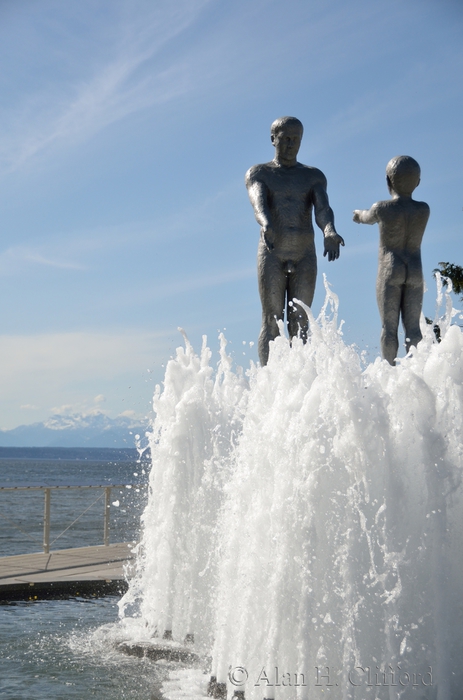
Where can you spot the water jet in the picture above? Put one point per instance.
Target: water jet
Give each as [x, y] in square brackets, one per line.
[306, 516]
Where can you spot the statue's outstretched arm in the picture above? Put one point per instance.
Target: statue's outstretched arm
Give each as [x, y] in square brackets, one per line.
[365, 216]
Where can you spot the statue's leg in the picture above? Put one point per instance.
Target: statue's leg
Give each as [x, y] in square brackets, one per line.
[301, 285]
[412, 302]
[272, 290]
[389, 298]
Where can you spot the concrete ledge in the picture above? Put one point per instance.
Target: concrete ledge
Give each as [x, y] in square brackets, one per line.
[159, 649]
[85, 571]
[61, 590]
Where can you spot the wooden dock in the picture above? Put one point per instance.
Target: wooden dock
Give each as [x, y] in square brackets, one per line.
[82, 571]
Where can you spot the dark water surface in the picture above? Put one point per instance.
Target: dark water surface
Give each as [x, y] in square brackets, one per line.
[50, 650]
[59, 649]
[22, 511]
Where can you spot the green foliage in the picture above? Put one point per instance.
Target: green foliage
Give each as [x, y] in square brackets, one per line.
[454, 273]
[435, 328]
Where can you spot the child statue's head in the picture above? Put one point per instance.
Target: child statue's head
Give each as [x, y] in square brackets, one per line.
[403, 175]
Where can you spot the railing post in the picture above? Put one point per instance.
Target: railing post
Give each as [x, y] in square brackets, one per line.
[107, 507]
[46, 522]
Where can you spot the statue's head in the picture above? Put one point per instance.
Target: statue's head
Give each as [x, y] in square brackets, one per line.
[283, 122]
[286, 134]
[403, 175]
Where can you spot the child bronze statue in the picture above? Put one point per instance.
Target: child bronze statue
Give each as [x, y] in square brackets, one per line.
[399, 285]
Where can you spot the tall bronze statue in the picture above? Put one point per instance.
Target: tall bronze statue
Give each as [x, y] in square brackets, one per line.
[399, 285]
[283, 194]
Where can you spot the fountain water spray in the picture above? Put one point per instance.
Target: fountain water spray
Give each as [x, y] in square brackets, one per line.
[305, 518]
[198, 421]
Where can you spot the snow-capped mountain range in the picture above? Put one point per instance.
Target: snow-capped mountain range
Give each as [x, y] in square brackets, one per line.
[77, 430]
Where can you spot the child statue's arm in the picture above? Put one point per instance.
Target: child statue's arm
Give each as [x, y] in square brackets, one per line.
[366, 216]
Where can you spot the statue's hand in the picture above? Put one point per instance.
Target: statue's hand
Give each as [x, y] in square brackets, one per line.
[356, 216]
[332, 243]
[268, 237]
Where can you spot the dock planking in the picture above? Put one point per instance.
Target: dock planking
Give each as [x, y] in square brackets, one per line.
[80, 571]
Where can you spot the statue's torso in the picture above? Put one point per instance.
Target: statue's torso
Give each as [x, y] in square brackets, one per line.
[401, 227]
[289, 193]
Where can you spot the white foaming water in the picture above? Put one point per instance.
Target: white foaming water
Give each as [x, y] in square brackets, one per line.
[198, 421]
[305, 519]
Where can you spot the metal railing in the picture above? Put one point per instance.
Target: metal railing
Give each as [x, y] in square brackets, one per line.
[47, 489]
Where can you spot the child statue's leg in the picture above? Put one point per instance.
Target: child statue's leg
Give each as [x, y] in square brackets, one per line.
[411, 311]
[389, 298]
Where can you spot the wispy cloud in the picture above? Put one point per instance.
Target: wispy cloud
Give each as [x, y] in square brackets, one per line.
[77, 249]
[86, 352]
[85, 248]
[16, 259]
[178, 286]
[128, 81]
[44, 370]
[195, 282]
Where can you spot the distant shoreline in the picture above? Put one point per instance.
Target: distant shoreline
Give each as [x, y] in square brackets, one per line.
[78, 454]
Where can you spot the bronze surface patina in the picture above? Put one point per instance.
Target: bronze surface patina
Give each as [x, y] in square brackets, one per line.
[399, 284]
[283, 194]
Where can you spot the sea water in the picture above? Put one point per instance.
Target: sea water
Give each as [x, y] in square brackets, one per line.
[21, 511]
[304, 520]
[58, 648]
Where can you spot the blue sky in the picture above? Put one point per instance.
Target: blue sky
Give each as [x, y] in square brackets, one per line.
[126, 130]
